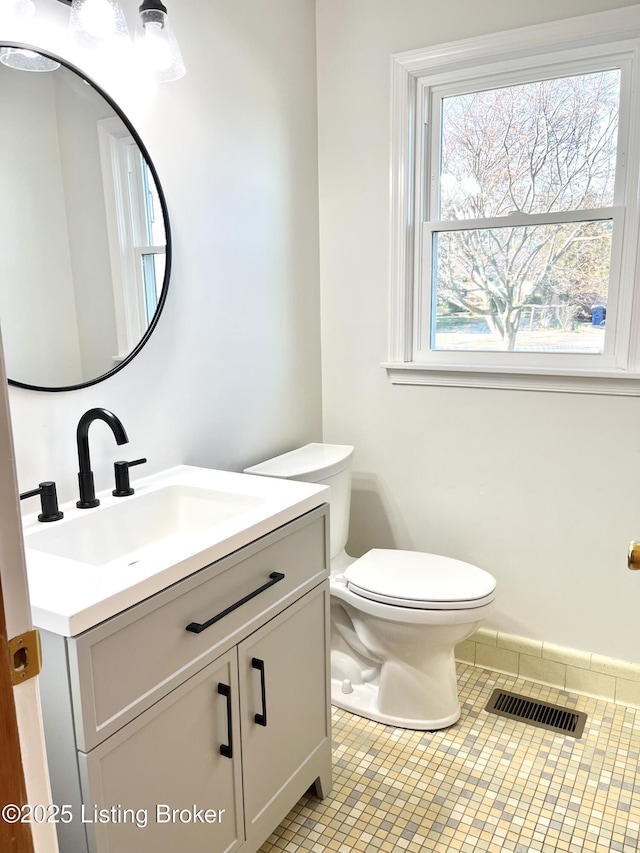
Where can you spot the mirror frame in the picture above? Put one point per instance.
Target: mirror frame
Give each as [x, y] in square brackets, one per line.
[165, 216]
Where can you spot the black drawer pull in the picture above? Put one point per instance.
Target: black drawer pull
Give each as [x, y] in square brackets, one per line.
[226, 749]
[197, 627]
[261, 719]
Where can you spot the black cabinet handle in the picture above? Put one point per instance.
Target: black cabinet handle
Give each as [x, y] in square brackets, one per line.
[261, 719]
[226, 749]
[197, 627]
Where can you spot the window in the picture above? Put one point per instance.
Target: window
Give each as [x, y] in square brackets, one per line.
[136, 230]
[515, 209]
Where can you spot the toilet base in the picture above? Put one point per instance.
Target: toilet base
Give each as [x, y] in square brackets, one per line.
[362, 700]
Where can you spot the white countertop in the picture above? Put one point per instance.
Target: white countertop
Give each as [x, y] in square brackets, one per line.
[69, 596]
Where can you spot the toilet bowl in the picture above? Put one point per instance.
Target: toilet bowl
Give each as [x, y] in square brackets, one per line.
[396, 616]
[409, 610]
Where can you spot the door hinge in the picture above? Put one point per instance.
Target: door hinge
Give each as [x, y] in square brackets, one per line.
[25, 656]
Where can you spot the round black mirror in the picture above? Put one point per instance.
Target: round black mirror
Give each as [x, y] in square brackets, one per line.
[85, 246]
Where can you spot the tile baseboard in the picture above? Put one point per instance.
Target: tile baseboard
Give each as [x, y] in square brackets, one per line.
[591, 675]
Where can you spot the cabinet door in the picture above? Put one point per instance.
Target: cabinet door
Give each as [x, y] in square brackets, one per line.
[284, 678]
[167, 770]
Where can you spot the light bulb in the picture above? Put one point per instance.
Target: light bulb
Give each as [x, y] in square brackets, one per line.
[157, 43]
[98, 18]
[94, 23]
[156, 47]
[17, 10]
[24, 9]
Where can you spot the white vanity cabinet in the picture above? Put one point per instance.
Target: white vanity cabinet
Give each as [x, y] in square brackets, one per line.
[163, 739]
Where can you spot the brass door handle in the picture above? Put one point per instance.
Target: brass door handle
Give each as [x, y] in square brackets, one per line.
[633, 556]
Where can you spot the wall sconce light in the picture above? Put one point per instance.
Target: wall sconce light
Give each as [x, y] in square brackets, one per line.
[157, 43]
[97, 22]
[15, 57]
[93, 23]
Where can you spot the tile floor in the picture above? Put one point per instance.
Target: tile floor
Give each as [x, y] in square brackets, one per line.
[485, 784]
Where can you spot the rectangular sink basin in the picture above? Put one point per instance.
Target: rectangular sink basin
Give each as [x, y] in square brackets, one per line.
[166, 518]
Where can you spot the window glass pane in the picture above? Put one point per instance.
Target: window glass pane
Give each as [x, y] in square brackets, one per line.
[153, 211]
[539, 288]
[153, 268]
[532, 148]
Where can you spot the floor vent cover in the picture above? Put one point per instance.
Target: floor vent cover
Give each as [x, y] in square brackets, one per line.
[541, 714]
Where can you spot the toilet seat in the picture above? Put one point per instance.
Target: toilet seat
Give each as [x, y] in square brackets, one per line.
[418, 580]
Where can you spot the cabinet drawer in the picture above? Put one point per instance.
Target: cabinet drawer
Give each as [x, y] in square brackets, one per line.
[124, 665]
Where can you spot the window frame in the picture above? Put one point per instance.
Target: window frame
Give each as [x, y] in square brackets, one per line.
[589, 42]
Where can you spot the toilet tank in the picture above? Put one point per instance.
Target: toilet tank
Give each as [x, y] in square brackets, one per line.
[329, 464]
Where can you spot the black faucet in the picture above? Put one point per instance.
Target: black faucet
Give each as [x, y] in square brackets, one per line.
[85, 475]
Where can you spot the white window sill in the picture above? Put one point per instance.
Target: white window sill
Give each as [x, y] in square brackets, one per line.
[616, 383]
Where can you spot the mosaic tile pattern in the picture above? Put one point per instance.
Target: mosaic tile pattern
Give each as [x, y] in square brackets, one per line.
[485, 784]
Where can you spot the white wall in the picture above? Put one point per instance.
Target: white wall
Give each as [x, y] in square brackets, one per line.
[537, 488]
[232, 372]
[34, 254]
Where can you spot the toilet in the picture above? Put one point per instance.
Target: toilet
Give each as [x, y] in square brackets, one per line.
[396, 616]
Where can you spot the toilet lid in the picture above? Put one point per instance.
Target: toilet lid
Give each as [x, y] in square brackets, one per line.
[419, 580]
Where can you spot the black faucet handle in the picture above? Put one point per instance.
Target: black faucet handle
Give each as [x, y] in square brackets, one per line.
[121, 470]
[48, 501]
